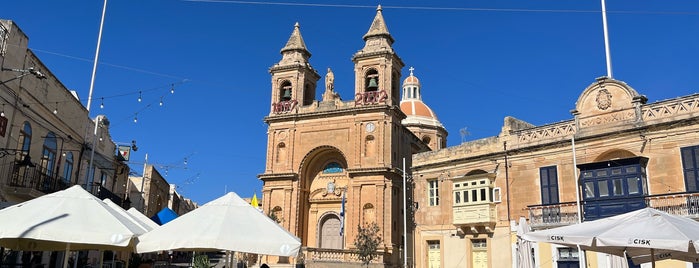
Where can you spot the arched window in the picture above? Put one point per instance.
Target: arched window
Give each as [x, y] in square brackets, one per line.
[332, 167]
[281, 152]
[285, 91]
[25, 141]
[371, 80]
[277, 214]
[308, 97]
[68, 167]
[369, 213]
[48, 154]
[426, 140]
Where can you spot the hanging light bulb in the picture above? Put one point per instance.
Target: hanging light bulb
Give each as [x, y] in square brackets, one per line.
[140, 93]
[161, 101]
[102, 104]
[135, 118]
[2, 113]
[172, 89]
[55, 110]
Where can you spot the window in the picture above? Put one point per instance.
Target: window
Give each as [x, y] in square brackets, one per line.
[433, 192]
[478, 191]
[690, 167]
[567, 254]
[48, 155]
[549, 185]
[25, 141]
[371, 80]
[332, 167]
[68, 167]
[497, 197]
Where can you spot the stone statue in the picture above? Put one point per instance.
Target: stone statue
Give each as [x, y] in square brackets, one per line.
[330, 94]
[329, 80]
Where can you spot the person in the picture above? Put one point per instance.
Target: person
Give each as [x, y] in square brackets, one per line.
[264, 265]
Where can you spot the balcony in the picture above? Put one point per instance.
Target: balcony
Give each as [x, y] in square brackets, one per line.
[30, 182]
[554, 215]
[474, 215]
[104, 193]
[681, 204]
[320, 255]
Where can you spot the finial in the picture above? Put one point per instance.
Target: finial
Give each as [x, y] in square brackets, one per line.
[296, 25]
[411, 70]
[378, 8]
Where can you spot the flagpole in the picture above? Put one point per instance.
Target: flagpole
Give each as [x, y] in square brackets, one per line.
[577, 197]
[405, 220]
[606, 40]
[97, 54]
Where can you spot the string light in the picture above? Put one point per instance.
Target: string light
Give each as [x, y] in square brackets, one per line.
[102, 104]
[140, 94]
[135, 118]
[172, 89]
[55, 110]
[2, 113]
[161, 100]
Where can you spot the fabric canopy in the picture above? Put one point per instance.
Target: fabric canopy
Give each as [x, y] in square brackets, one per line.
[164, 216]
[72, 218]
[144, 227]
[642, 235]
[145, 220]
[227, 223]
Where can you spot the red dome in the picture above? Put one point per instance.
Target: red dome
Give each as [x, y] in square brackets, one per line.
[416, 108]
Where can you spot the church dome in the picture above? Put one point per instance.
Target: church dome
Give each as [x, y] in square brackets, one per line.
[416, 108]
[416, 111]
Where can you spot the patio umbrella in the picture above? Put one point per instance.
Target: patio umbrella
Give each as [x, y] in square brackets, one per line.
[145, 220]
[144, 227]
[644, 232]
[227, 223]
[524, 247]
[71, 219]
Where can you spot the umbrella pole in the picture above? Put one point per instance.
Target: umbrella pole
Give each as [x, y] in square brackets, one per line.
[66, 256]
[101, 259]
[652, 257]
[128, 259]
[228, 258]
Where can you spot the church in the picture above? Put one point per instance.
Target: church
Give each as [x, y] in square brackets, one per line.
[332, 164]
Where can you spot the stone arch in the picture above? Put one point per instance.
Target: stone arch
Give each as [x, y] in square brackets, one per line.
[605, 95]
[370, 74]
[614, 154]
[284, 86]
[328, 234]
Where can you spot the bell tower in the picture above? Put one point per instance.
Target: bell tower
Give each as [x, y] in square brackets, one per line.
[377, 67]
[293, 78]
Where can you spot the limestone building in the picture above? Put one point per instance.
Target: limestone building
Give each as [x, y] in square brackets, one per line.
[616, 154]
[323, 152]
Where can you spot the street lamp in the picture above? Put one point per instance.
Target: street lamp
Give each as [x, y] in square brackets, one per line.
[23, 72]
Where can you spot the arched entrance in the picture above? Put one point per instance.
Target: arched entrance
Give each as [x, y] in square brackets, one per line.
[329, 235]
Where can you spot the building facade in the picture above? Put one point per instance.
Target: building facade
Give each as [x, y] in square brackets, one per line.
[333, 165]
[616, 154]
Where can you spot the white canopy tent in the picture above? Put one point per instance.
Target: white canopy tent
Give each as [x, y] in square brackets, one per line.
[145, 220]
[72, 219]
[645, 235]
[227, 223]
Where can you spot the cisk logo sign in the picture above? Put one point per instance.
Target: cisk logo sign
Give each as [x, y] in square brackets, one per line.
[556, 238]
[640, 242]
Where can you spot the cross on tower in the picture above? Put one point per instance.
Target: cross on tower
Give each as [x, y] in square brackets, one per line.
[411, 70]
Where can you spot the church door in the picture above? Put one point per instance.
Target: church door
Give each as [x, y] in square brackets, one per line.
[330, 233]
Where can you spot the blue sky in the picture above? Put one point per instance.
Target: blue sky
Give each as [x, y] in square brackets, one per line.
[478, 61]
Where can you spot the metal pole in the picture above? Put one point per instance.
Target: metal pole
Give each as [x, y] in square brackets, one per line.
[405, 219]
[97, 54]
[606, 40]
[143, 183]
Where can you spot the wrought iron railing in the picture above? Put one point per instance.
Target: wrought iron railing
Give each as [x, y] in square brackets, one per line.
[546, 216]
[35, 178]
[682, 204]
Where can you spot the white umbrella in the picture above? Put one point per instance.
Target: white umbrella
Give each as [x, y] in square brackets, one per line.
[143, 227]
[227, 223]
[150, 224]
[524, 247]
[644, 232]
[71, 219]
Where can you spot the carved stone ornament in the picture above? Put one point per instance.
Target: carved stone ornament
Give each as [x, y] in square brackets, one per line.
[604, 99]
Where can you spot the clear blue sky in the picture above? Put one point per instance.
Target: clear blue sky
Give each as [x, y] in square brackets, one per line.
[478, 61]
